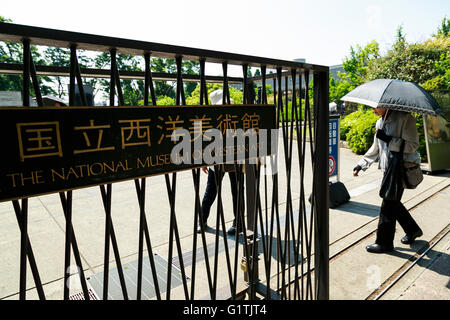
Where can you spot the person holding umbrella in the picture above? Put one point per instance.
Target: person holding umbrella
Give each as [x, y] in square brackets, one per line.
[392, 129]
[396, 135]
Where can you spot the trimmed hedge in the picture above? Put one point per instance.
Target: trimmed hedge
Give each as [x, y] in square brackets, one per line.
[359, 129]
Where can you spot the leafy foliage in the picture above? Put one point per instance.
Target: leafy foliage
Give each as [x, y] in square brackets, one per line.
[362, 130]
[194, 98]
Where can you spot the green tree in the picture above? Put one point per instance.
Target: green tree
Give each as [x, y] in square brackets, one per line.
[167, 88]
[355, 70]
[11, 52]
[444, 28]
[416, 62]
[356, 65]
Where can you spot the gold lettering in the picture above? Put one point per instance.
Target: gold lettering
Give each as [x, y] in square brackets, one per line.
[13, 177]
[91, 168]
[124, 168]
[39, 139]
[145, 164]
[60, 175]
[95, 132]
[35, 177]
[111, 168]
[71, 172]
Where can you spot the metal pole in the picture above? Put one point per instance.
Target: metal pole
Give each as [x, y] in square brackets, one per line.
[321, 256]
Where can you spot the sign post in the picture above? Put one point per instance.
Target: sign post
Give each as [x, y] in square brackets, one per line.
[334, 146]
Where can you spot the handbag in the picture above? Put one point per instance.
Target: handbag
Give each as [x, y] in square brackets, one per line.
[411, 172]
[392, 183]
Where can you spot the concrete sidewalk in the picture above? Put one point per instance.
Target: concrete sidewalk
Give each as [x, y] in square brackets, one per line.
[355, 274]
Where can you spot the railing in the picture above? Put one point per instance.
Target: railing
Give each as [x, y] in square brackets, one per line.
[296, 243]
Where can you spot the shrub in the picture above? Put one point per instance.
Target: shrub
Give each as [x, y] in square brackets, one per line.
[165, 101]
[347, 123]
[361, 131]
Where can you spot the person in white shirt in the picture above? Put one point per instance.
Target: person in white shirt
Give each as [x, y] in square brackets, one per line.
[392, 129]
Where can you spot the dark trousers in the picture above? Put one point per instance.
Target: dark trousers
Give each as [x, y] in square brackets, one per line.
[392, 211]
[211, 192]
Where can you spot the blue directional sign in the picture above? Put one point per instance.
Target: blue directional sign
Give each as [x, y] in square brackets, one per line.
[333, 145]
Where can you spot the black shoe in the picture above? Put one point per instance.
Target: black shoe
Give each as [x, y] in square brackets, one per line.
[378, 248]
[232, 230]
[409, 238]
[199, 227]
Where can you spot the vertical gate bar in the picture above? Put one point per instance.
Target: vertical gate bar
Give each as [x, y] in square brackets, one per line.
[147, 77]
[26, 73]
[169, 259]
[321, 255]
[221, 219]
[308, 239]
[76, 252]
[264, 90]
[239, 185]
[275, 95]
[180, 88]
[264, 101]
[116, 248]
[203, 89]
[196, 178]
[282, 257]
[141, 199]
[273, 163]
[225, 91]
[266, 254]
[67, 206]
[254, 275]
[68, 242]
[171, 190]
[23, 250]
[244, 83]
[274, 173]
[152, 260]
[32, 261]
[107, 203]
[140, 191]
[72, 79]
[218, 174]
[218, 182]
[302, 206]
[73, 53]
[288, 161]
[112, 77]
[294, 117]
[118, 85]
[240, 219]
[300, 152]
[195, 173]
[148, 84]
[106, 194]
[225, 100]
[37, 90]
[246, 249]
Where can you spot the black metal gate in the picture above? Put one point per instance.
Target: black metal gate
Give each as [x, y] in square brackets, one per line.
[280, 250]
